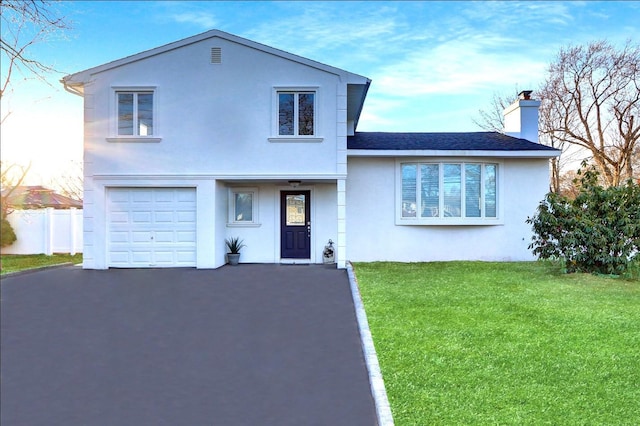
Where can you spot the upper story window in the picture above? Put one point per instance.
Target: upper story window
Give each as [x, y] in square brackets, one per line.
[135, 113]
[296, 113]
[448, 193]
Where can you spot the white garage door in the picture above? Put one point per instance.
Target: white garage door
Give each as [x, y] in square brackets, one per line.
[151, 227]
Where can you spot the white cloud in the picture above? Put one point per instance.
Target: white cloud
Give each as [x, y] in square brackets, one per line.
[197, 14]
[415, 51]
[317, 31]
[517, 15]
[459, 66]
[200, 19]
[380, 113]
[463, 52]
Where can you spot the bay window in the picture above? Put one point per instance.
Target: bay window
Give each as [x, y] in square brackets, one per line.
[448, 193]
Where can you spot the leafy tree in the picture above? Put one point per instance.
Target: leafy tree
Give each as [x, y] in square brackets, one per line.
[597, 231]
[568, 184]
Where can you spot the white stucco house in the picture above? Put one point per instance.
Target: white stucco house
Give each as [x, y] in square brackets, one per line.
[217, 136]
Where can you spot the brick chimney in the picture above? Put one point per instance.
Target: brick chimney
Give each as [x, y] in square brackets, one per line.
[521, 117]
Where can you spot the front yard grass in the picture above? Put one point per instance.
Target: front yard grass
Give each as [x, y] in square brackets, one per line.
[504, 343]
[21, 262]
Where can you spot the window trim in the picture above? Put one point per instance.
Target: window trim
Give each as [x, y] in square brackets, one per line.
[231, 216]
[275, 128]
[114, 136]
[438, 221]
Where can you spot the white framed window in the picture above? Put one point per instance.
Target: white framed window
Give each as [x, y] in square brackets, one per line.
[134, 114]
[296, 115]
[447, 193]
[243, 207]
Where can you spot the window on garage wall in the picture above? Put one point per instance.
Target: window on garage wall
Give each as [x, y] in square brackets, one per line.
[243, 206]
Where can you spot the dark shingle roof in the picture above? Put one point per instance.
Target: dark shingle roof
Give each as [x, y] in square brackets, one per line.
[480, 141]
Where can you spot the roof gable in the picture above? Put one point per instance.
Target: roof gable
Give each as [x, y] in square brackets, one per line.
[77, 80]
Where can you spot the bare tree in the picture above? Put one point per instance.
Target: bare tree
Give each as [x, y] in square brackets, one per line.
[70, 182]
[492, 119]
[548, 115]
[635, 164]
[591, 98]
[25, 23]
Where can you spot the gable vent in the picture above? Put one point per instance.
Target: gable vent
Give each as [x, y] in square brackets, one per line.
[216, 55]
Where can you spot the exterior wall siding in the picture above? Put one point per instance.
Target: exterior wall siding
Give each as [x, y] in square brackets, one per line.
[263, 241]
[215, 129]
[373, 235]
[218, 120]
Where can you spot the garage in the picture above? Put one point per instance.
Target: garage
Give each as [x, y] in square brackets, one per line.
[151, 227]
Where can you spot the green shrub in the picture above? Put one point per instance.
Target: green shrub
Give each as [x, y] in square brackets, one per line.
[598, 231]
[7, 234]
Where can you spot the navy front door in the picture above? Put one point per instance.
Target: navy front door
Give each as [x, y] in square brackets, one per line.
[295, 225]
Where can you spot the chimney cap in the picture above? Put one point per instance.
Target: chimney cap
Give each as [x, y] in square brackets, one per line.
[525, 95]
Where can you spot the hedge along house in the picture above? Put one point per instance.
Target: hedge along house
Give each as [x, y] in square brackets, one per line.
[217, 136]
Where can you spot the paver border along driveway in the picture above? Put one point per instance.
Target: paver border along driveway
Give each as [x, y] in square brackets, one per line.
[245, 345]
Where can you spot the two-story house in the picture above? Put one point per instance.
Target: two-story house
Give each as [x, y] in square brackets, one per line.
[217, 136]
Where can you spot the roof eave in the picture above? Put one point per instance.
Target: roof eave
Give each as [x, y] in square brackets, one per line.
[359, 102]
[450, 153]
[73, 88]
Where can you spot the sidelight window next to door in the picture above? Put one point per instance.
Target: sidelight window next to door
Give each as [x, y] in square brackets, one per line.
[295, 225]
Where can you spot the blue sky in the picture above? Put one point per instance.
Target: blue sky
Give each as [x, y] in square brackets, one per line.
[433, 64]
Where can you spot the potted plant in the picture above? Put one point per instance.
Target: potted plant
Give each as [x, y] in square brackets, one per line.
[328, 253]
[234, 245]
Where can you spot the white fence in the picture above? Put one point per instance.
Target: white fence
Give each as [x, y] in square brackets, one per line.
[46, 231]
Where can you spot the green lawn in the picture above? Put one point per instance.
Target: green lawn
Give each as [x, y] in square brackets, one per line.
[20, 262]
[504, 343]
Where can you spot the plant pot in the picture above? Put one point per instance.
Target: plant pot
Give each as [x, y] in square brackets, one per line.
[233, 258]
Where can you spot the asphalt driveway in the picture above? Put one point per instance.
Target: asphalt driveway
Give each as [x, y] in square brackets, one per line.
[245, 345]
